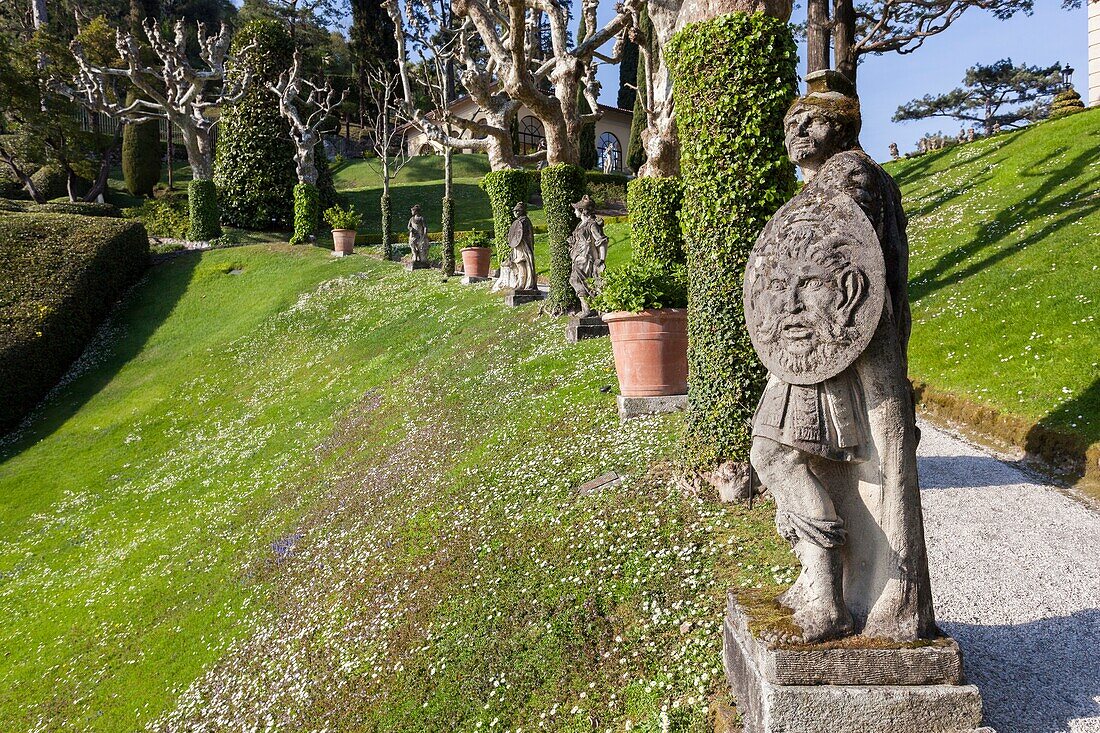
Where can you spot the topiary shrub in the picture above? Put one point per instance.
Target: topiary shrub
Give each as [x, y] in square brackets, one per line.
[10, 186]
[62, 274]
[140, 155]
[562, 186]
[387, 230]
[448, 236]
[654, 205]
[53, 182]
[164, 217]
[254, 166]
[307, 212]
[505, 189]
[1066, 103]
[202, 201]
[82, 208]
[735, 79]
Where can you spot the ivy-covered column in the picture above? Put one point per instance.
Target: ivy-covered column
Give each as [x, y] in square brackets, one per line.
[307, 212]
[562, 186]
[654, 204]
[505, 189]
[387, 228]
[448, 236]
[735, 78]
[202, 202]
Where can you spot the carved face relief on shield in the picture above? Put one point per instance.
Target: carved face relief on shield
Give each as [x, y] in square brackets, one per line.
[805, 294]
[814, 289]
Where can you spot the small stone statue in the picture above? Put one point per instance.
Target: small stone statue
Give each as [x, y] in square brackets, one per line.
[970, 135]
[521, 238]
[894, 152]
[834, 435]
[588, 251]
[609, 154]
[418, 238]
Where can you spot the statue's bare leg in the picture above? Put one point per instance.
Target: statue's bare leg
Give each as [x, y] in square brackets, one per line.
[808, 519]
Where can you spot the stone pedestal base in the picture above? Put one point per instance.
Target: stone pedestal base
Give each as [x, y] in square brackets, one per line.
[519, 297]
[589, 327]
[825, 688]
[338, 253]
[471, 279]
[418, 266]
[634, 406]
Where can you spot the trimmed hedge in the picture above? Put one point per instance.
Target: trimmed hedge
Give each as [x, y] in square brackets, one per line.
[562, 186]
[654, 205]
[61, 275]
[505, 189]
[735, 79]
[82, 208]
[307, 212]
[141, 155]
[1066, 103]
[448, 236]
[202, 200]
[53, 183]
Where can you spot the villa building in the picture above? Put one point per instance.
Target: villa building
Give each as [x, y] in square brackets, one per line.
[612, 133]
[1094, 52]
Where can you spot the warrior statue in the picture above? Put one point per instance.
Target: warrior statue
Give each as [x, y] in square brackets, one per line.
[834, 435]
[521, 238]
[418, 236]
[588, 251]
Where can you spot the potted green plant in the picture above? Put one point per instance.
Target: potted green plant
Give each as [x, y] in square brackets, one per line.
[645, 307]
[475, 254]
[344, 222]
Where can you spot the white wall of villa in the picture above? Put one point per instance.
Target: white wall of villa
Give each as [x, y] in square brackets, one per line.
[1094, 52]
[612, 133]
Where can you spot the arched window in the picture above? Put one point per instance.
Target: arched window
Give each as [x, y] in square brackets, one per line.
[426, 149]
[609, 146]
[531, 136]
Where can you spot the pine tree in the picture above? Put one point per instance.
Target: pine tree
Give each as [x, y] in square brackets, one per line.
[372, 43]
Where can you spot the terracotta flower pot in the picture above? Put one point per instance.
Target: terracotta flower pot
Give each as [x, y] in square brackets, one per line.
[343, 241]
[475, 261]
[650, 351]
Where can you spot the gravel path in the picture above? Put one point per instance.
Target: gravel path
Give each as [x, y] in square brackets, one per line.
[1016, 579]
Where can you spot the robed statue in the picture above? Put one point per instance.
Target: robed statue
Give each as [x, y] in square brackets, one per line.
[588, 253]
[521, 240]
[834, 435]
[418, 236]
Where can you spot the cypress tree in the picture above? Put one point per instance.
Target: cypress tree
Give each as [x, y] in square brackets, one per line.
[587, 141]
[628, 75]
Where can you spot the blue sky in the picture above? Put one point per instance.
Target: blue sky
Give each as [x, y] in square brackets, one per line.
[1049, 35]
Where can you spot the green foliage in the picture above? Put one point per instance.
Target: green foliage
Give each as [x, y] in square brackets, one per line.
[386, 206]
[1066, 103]
[141, 156]
[254, 166]
[62, 275]
[10, 186]
[735, 79]
[655, 219]
[162, 217]
[628, 76]
[999, 93]
[307, 212]
[52, 182]
[505, 189]
[202, 199]
[635, 153]
[562, 186]
[475, 238]
[642, 285]
[338, 217]
[448, 236]
[81, 208]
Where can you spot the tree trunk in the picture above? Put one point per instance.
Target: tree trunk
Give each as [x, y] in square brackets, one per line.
[844, 38]
[818, 36]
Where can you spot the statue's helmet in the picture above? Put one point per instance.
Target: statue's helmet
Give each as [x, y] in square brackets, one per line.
[520, 208]
[416, 209]
[830, 97]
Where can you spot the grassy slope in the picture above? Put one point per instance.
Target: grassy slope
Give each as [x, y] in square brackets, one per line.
[1005, 241]
[333, 490]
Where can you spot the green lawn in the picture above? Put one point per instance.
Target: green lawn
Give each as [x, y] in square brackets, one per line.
[331, 492]
[1004, 276]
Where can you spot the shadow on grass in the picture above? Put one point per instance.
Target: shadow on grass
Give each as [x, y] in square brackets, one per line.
[1068, 432]
[1034, 677]
[472, 210]
[1048, 203]
[144, 307]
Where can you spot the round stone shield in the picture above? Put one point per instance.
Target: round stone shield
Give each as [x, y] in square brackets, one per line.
[815, 286]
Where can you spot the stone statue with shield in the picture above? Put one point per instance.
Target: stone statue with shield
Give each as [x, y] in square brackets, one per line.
[419, 244]
[834, 442]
